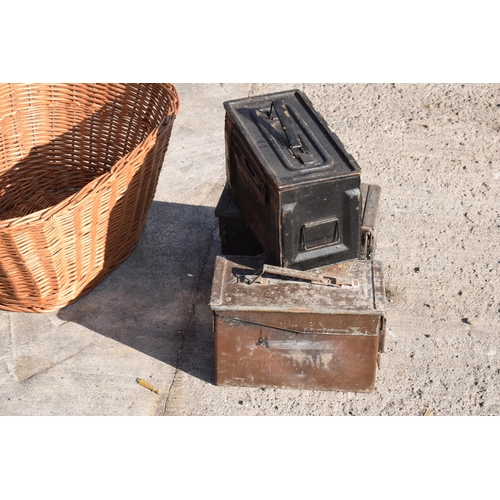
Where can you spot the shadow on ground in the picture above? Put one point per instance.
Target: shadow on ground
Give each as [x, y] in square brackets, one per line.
[157, 301]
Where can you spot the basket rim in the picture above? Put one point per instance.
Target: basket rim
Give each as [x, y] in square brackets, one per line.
[102, 180]
[168, 87]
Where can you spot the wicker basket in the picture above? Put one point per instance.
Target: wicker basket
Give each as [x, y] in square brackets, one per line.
[79, 166]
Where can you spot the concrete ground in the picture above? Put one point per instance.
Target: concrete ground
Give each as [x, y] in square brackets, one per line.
[434, 150]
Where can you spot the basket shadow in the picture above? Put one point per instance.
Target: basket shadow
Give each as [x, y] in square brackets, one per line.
[157, 300]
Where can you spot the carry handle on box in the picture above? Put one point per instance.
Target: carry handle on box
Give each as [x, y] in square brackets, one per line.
[296, 147]
[315, 278]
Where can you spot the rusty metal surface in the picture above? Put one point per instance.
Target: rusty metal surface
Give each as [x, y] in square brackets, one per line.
[370, 196]
[230, 292]
[248, 354]
[285, 328]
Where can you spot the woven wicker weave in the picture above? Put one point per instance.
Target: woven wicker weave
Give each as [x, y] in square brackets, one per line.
[79, 166]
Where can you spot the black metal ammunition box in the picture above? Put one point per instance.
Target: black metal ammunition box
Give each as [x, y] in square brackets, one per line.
[236, 237]
[290, 176]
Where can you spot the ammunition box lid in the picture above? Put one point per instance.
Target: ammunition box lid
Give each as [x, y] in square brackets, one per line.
[247, 284]
[289, 138]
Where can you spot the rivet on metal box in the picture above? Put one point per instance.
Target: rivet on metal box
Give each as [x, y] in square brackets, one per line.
[279, 327]
[293, 181]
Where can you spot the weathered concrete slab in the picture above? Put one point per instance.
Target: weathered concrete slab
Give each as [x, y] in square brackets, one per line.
[435, 152]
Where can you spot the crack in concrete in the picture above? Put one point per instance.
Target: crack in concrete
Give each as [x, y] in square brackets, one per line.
[22, 373]
[191, 317]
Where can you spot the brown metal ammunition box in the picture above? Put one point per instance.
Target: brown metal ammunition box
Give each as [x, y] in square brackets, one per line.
[278, 327]
[293, 181]
[237, 238]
